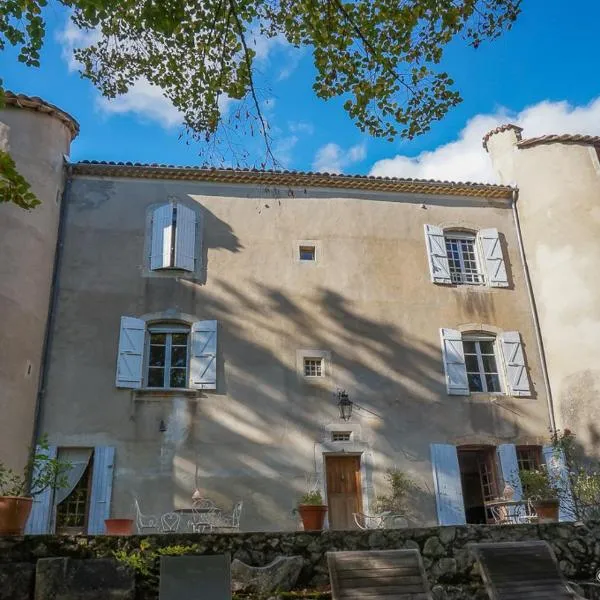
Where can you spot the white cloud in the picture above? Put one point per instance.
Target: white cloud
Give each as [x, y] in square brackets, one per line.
[301, 127]
[283, 149]
[332, 158]
[465, 159]
[72, 37]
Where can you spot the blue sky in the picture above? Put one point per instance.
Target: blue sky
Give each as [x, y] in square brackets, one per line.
[543, 74]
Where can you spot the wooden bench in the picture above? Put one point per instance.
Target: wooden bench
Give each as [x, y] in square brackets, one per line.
[522, 571]
[385, 574]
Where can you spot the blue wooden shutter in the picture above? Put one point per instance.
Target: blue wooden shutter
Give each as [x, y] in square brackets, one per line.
[447, 485]
[557, 470]
[509, 464]
[493, 258]
[162, 237]
[130, 359]
[514, 359]
[40, 518]
[439, 267]
[203, 362]
[102, 478]
[185, 238]
[457, 383]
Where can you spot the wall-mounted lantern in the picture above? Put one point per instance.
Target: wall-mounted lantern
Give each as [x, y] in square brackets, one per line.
[344, 405]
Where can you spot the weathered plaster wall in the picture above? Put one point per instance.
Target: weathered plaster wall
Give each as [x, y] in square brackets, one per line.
[559, 209]
[450, 568]
[368, 300]
[37, 143]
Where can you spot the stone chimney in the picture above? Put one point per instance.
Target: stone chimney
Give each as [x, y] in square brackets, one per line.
[501, 145]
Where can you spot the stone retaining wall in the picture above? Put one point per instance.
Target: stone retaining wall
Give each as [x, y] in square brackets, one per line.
[451, 570]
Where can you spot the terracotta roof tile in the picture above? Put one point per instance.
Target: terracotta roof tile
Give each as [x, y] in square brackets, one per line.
[37, 104]
[291, 178]
[588, 140]
[500, 129]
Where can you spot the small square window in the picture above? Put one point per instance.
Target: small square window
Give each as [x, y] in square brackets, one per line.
[313, 367]
[340, 436]
[307, 253]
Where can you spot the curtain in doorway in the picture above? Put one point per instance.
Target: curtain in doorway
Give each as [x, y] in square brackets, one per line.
[79, 459]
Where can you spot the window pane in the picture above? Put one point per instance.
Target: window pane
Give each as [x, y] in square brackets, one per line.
[487, 347]
[179, 356]
[158, 338]
[475, 383]
[493, 383]
[469, 347]
[156, 377]
[489, 364]
[178, 378]
[307, 253]
[157, 356]
[472, 365]
[180, 339]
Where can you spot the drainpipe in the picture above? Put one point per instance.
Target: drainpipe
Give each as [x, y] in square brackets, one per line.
[58, 252]
[534, 312]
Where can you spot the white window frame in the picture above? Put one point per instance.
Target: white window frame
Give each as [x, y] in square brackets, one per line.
[466, 337]
[321, 367]
[460, 277]
[169, 329]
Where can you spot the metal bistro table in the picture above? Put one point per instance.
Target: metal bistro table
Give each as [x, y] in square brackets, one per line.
[510, 512]
[202, 517]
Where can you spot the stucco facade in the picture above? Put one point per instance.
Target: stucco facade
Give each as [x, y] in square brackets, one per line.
[370, 308]
[558, 180]
[38, 141]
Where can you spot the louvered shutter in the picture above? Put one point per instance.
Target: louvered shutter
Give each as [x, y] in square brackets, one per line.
[493, 258]
[162, 237]
[558, 472]
[455, 369]
[102, 479]
[130, 358]
[203, 363]
[437, 255]
[447, 485]
[509, 464]
[40, 517]
[185, 238]
[514, 359]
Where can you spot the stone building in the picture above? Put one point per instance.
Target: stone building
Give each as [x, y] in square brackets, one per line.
[201, 327]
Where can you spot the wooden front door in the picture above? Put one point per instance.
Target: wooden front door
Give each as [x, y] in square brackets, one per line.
[344, 494]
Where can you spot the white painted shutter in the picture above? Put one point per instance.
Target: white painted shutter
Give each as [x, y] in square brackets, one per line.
[40, 517]
[437, 254]
[507, 455]
[162, 237]
[203, 362]
[102, 478]
[516, 371]
[130, 359]
[455, 369]
[185, 238]
[557, 469]
[493, 258]
[447, 485]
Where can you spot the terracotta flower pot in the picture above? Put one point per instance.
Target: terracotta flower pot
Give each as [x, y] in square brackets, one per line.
[118, 526]
[14, 512]
[313, 516]
[546, 510]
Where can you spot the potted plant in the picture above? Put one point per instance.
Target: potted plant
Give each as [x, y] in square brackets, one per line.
[17, 491]
[312, 511]
[540, 489]
[393, 507]
[118, 526]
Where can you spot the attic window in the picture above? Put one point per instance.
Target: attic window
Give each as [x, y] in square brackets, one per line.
[307, 253]
[340, 436]
[313, 367]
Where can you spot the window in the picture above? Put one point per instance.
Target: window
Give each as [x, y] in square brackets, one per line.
[462, 259]
[173, 243]
[72, 512]
[481, 364]
[340, 436]
[168, 358]
[529, 458]
[478, 480]
[307, 253]
[313, 367]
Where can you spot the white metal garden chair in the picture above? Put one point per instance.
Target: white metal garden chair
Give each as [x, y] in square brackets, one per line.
[169, 522]
[145, 522]
[232, 522]
[205, 515]
[365, 521]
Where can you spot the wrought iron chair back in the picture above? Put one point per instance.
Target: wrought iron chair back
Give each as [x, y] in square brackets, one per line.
[143, 521]
[205, 515]
[365, 521]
